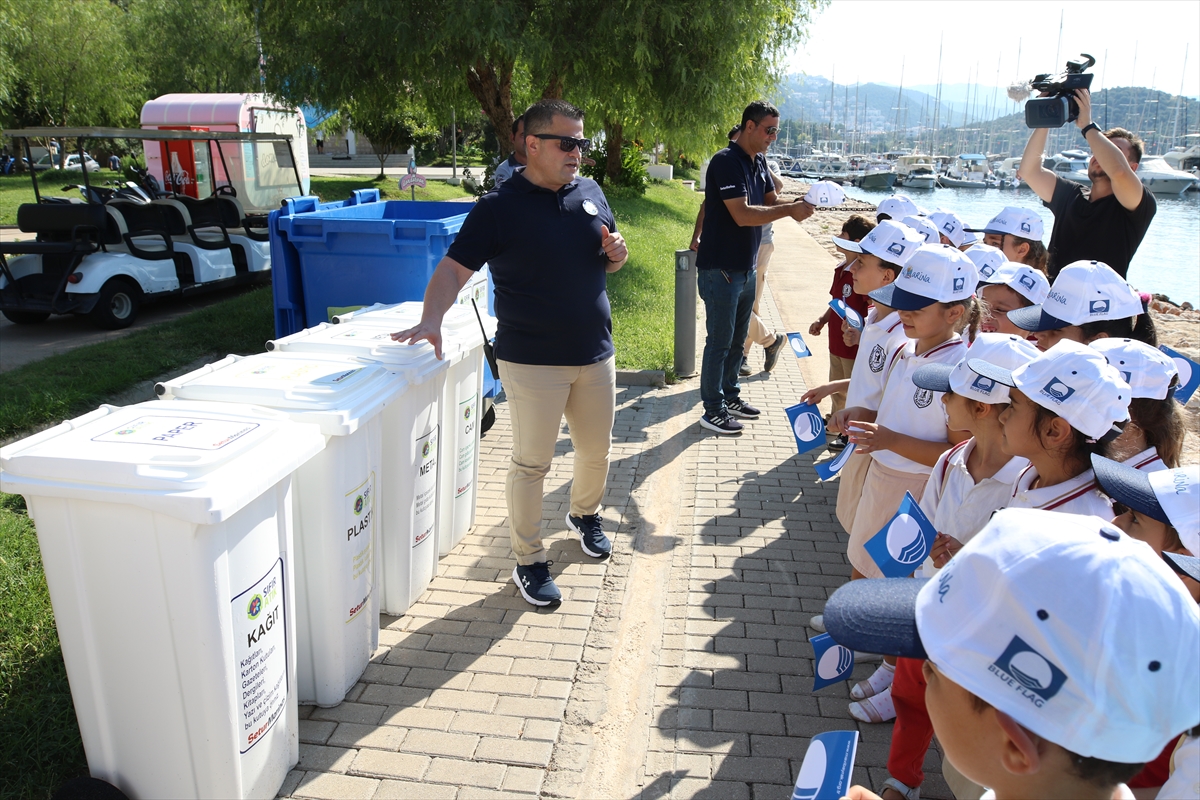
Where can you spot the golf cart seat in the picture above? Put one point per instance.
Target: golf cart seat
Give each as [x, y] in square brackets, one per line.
[62, 229]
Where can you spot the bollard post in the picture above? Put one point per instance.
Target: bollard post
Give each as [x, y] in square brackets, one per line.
[685, 313]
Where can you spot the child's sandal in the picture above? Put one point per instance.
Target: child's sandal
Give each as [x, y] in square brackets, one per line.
[908, 792]
[874, 709]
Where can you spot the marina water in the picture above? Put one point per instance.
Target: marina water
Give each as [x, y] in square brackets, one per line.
[1167, 262]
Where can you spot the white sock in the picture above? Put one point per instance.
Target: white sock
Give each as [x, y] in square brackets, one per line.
[880, 679]
[882, 703]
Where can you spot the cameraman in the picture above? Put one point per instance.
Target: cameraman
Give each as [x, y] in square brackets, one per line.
[1106, 223]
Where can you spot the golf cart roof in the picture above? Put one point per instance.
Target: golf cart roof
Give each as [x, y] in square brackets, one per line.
[141, 133]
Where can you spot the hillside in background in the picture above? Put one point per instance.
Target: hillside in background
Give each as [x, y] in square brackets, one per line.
[814, 108]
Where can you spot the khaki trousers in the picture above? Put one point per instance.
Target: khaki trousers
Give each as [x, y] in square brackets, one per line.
[759, 333]
[538, 398]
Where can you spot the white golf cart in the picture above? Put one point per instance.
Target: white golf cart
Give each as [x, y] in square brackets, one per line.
[121, 248]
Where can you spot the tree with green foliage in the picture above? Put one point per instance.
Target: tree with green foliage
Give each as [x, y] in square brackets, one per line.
[71, 65]
[182, 50]
[391, 124]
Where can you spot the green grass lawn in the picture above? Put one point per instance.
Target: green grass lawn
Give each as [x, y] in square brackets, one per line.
[642, 293]
[339, 188]
[39, 738]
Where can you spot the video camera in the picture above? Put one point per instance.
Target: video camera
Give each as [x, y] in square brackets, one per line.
[1061, 108]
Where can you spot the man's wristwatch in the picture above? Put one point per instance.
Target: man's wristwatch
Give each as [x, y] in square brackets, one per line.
[1090, 126]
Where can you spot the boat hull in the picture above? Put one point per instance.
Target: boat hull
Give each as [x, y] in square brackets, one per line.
[958, 183]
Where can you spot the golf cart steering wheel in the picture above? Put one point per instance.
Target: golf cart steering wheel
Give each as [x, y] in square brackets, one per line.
[224, 189]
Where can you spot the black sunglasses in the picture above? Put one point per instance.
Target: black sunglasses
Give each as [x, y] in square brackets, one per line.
[567, 143]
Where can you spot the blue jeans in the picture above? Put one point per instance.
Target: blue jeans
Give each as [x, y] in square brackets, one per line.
[728, 300]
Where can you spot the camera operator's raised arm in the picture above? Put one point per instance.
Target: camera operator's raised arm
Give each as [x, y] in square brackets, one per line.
[1036, 176]
[1126, 185]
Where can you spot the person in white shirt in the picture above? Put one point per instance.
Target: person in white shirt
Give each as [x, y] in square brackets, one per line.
[1059, 654]
[1066, 404]
[1153, 439]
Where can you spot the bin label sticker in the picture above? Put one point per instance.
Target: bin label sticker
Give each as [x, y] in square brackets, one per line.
[464, 468]
[360, 546]
[190, 433]
[363, 333]
[260, 656]
[425, 491]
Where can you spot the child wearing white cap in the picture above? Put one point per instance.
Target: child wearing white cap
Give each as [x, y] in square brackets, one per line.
[841, 352]
[1018, 233]
[1060, 653]
[1008, 287]
[1064, 405]
[1087, 300]
[896, 208]
[882, 254]
[968, 484]
[908, 434]
[951, 228]
[1153, 439]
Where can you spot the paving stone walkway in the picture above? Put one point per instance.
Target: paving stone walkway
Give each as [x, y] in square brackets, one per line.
[678, 668]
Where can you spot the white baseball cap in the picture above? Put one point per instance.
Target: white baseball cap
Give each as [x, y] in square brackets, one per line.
[1080, 633]
[1020, 222]
[1021, 278]
[1085, 291]
[923, 226]
[986, 258]
[898, 206]
[949, 225]
[936, 273]
[1075, 382]
[970, 239]
[1149, 371]
[889, 240]
[1001, 349]
[825, 193]
[1171, 496]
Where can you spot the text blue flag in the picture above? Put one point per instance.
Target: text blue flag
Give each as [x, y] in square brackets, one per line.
[832, 662]
[827, 767]
[904, 542]
[1189, 375]
[828, 470]
[798, 346]
[847, 313]
[807, 426]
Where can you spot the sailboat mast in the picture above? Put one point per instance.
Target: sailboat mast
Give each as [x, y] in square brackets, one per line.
[937, 99]
[899, 97]
[1179, 97]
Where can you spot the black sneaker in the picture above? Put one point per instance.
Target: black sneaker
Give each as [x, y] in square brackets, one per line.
[591, 537]
[721, 423]
[744, 369]
[536, 585]
[772, 352]
[838, 442]
[742, 409]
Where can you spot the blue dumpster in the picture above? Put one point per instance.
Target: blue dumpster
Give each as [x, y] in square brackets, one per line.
[286, 285]
[359, 255]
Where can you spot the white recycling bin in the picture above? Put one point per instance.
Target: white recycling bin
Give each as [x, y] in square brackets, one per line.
[407, 559]
[462, 347]
[165, 532]
[337, 617]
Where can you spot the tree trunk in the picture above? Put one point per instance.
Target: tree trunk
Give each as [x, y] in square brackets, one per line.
[613, 139]
[383, 157]
[554, 87]
[491, 85]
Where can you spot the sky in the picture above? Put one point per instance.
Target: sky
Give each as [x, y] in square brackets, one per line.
[866, 40]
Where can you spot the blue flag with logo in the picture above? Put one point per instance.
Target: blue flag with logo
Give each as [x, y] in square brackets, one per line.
[828, 766]
[798, 346]
[904, 542]
[1189, 375]
[807, 426]
[847, 313]
[828, 470]
[832, 663]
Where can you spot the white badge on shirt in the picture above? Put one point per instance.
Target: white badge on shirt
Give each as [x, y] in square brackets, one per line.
[590, 207]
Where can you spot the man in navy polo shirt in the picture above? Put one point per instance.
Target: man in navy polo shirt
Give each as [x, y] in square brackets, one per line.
[549, 239]
[739, 198]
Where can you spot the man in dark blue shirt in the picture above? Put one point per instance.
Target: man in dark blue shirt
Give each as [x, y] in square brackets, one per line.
[517, 158]
[549, 239]
[739, 198]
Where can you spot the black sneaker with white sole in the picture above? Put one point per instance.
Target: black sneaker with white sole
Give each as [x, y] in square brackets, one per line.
[771, 352]
[722, 423]
[740, 408]
[536, 585]
[591, 536]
